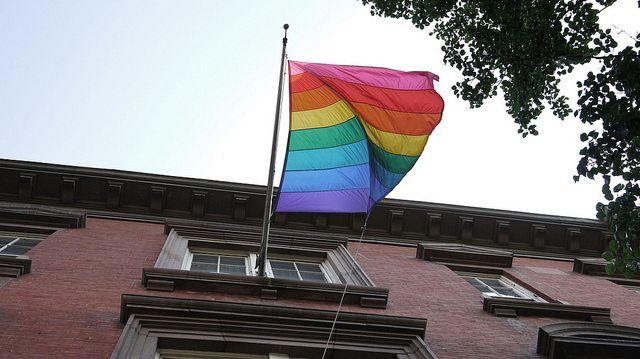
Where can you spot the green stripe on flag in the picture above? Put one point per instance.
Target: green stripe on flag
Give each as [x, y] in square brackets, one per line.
[341, 134]
[392, 162]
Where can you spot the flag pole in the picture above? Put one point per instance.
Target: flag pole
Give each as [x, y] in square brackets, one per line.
[266, 219]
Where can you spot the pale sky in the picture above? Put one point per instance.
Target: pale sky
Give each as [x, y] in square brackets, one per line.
[188, 88]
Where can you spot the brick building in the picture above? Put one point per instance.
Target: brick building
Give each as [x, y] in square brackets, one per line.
[112, 264]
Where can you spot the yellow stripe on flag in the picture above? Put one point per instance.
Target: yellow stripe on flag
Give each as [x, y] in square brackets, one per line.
[407, 145]
[331, 115]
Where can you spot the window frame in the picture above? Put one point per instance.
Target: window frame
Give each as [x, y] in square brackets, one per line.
[250, 259]
[524, 293]
[152, 323]
[170, 273]
[188, 259]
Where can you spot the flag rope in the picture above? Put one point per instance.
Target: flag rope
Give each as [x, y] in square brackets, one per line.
[344, 291]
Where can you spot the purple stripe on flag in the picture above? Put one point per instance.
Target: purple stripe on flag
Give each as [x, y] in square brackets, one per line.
[372, 76]
[352, 200]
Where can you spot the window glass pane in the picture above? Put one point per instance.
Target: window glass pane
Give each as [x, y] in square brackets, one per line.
[229, 269]
[313, 276]
[285, 270]
[285, 274]
[282, 265]
[15, 250]
[234, 261]
[27, 242]
[205, 258]
[233, 265]
[5, 240]
[309, 267]
[204, 267]
[493, 283]
[473, 281]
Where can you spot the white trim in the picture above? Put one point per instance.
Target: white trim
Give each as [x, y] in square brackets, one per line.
[188, 259]
[250, 259]
[519, 290]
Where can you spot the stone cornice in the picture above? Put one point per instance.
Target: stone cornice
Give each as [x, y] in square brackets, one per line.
[131, 195]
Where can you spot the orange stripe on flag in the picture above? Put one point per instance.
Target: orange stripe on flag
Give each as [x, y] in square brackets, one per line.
[313, 99]
[406, 123]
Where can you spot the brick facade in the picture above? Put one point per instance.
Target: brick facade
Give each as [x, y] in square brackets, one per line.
[69, 305]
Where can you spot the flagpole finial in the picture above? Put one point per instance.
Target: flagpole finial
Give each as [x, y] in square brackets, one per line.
[284, 39]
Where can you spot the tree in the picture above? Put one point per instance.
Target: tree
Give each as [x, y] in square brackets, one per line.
[522, 49]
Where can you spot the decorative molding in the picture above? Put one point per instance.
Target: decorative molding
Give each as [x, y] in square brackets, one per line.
[116, 194]
[11, 266]
[43, 219]
[168, 275]
[466, 229]
[68, 190]
[396, 218]
[588, 340]
[280, 218]
[538, 235]
[590, 266]
[321, 220]
[198, 203]
[502, 232]
[154, 323]
[156, 199]
[357, 222]
[240, 206]
[175, 279]
[509, 307]
[464, 254]
[26, 184]
[596, 266]
[573, 239]
[433, 225]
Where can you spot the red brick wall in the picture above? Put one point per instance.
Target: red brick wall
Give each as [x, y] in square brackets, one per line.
[68, 306]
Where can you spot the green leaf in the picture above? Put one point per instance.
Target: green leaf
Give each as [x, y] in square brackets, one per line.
[613, 246]
[609, 268]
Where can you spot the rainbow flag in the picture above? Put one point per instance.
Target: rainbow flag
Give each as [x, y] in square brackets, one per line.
[354, 133]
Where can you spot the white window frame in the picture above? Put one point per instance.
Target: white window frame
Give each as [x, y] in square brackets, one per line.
[188, 259]
[251, 262]
[328, 272]
[524, 293]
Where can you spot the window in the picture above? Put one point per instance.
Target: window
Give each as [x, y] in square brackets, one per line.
[498, 286]
[297, 270]
[222, 258]
[227, 262]
[588, 340]
[16, 244]
[214, 263]
[210, 329]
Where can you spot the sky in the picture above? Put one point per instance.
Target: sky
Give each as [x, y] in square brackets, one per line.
[188, 88]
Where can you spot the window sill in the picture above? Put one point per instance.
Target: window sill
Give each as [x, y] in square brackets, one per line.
[508, 307]
[14, 267]
[164, 279]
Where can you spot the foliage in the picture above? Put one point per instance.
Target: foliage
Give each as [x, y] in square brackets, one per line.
[522, 49]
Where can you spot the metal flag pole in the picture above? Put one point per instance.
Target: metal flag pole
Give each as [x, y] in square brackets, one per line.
[266, 219]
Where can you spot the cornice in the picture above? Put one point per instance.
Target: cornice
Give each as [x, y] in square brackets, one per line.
[149, 197]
